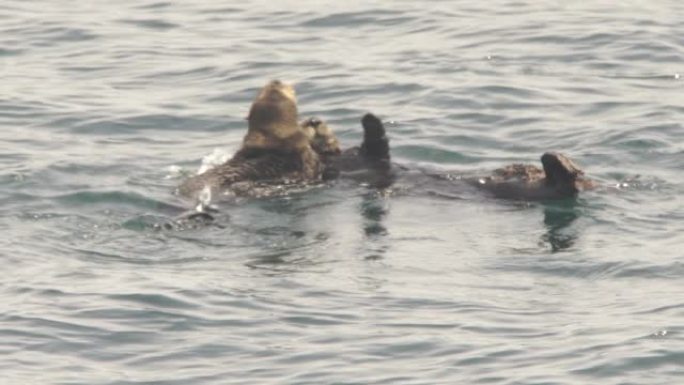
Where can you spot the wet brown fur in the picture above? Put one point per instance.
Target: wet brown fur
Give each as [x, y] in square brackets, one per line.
[273, 127]
[321, 137]
[275, 147]
[272, 120]
[559, 178]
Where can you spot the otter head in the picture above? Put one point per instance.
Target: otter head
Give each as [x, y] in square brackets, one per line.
[273, 120]
[562, 173]
[273, 127]
[322, 139]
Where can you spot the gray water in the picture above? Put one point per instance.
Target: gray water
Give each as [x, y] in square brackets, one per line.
[103, 102]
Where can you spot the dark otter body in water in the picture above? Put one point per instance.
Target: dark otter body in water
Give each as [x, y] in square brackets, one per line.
[559, 178]
[276, 150]
[370, 163]
[246, 170]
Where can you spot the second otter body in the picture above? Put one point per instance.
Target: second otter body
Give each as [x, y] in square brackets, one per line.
[370, 162]
[276, 149]
[559, 178]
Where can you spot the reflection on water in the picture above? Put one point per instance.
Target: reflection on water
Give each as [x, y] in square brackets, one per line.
[557, 218]
[374, 210]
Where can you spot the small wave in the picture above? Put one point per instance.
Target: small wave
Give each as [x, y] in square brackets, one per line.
[380, 18]
[154, 24]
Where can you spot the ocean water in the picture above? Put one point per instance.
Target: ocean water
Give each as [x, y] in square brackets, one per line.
[105, 105]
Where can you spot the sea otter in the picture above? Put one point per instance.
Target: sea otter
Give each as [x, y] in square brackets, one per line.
[370, 163]
[276, 150]
[560, 178]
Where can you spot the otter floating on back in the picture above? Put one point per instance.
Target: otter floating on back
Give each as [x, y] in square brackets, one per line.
[275, 150]
[560, 177]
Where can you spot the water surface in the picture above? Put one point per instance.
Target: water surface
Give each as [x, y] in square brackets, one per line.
[102, 102]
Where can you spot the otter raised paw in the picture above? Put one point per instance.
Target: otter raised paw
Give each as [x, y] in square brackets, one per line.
[375, 144]
[321, 137]
[368, 163]
[372, 154]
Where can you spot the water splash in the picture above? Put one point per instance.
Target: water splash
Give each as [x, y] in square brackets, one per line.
[216, 158]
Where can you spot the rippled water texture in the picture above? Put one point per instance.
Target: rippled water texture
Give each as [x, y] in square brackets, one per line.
[103, 102]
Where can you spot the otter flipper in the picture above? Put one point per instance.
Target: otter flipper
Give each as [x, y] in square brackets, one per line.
[561, 172]
[375, 143]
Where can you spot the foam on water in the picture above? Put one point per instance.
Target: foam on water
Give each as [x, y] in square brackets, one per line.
[217, 157]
